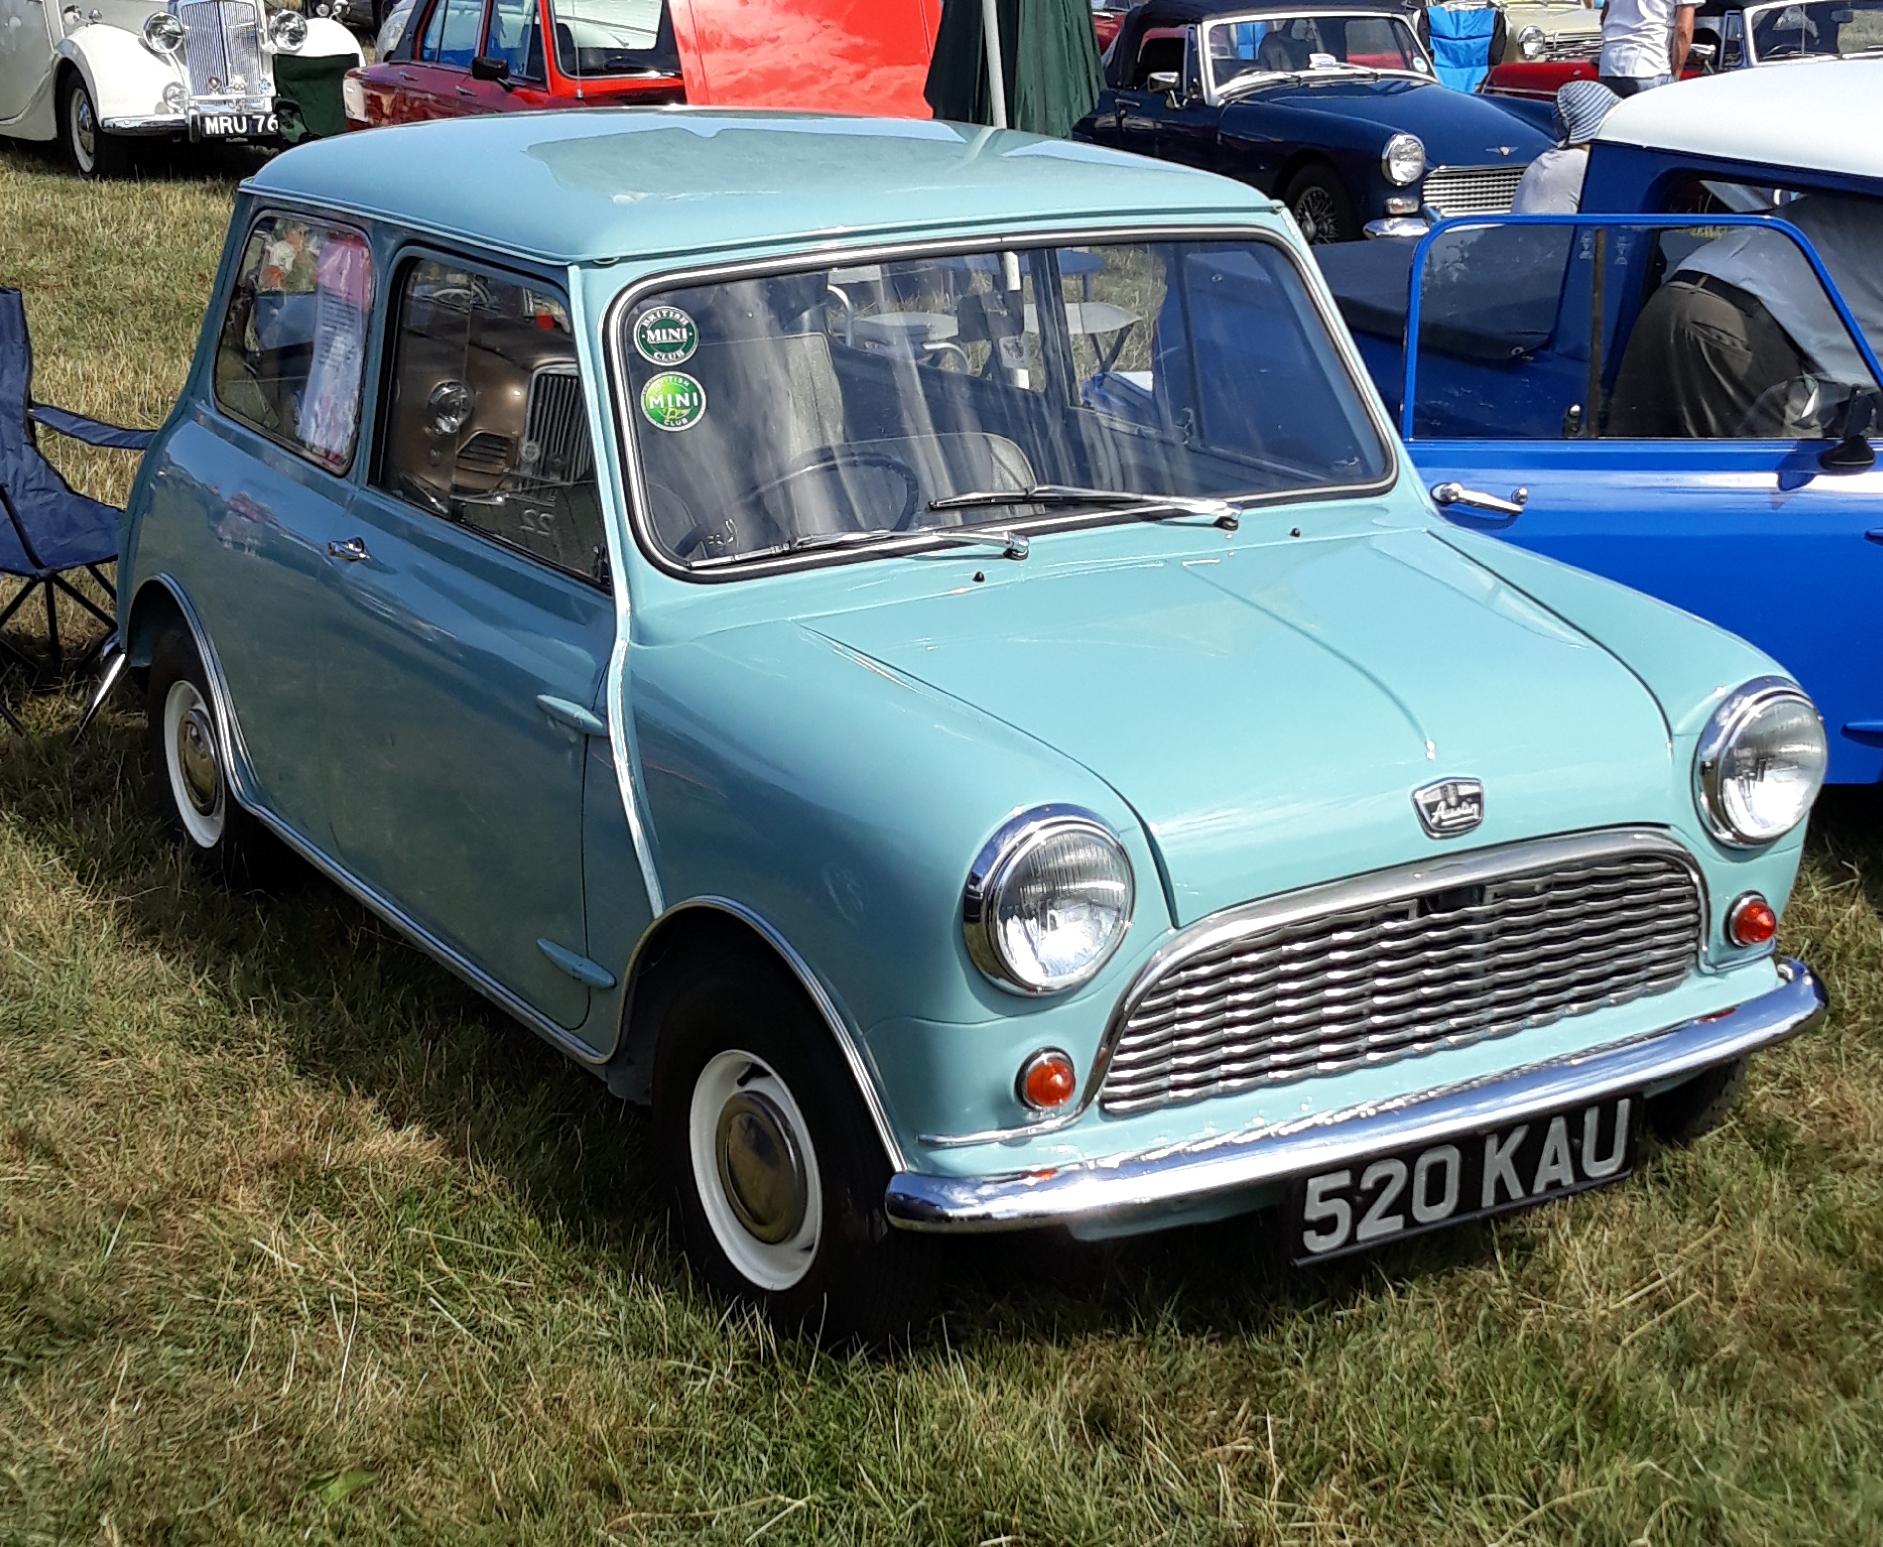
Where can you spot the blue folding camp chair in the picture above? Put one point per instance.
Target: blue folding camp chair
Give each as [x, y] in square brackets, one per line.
[50, 528]
[1465, 42]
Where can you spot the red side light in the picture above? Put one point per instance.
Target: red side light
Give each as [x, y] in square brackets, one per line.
[1751, 921]
[1047, 1080]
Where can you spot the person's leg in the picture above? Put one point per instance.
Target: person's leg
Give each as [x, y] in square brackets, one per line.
[1696, 364]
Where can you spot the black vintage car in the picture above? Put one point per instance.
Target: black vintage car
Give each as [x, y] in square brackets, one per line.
[1334, 109]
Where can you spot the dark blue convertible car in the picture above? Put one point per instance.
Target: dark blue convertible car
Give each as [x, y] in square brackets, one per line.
[1334, 109]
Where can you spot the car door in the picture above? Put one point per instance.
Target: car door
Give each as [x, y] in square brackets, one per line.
[1139, 111]
[470, 633]
[1600, 391]
[26, 44]
[436, 81]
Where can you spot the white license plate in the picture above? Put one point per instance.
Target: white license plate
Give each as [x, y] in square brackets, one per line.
[223, 126]
[1406, 1192]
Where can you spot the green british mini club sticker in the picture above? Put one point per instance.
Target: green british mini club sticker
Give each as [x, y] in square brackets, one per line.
[666, 335]
[673, 400]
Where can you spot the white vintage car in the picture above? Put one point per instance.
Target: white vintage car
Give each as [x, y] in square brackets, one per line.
[95, 73]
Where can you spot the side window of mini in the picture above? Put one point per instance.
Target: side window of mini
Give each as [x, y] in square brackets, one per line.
[451, 33]
[293, 343]
[485, 422]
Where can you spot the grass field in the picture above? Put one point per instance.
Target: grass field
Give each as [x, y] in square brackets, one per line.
[300, 1242]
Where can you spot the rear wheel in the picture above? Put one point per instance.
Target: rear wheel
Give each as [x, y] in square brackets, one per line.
[772, 1160]
[1683, 1114]
[1321, 206]
[189, 769]
[93, 152]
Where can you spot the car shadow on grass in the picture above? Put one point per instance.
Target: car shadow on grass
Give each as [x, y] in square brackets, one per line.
[353, 1006]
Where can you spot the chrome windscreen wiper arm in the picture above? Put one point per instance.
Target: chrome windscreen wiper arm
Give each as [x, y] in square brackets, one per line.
[1224, 513]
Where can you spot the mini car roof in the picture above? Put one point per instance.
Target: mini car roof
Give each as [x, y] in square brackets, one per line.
[606, 184]
[1818, 115]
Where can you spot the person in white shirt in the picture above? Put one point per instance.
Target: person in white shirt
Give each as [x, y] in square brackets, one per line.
[1644, 43]
[1552, 184]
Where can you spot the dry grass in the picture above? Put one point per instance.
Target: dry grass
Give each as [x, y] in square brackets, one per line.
[300, 1242]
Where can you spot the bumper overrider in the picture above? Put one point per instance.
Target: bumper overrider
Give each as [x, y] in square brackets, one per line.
[1118, 1188]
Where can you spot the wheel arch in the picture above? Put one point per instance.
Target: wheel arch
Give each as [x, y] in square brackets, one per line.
[124, 79]
[161, 600]
[704, 928]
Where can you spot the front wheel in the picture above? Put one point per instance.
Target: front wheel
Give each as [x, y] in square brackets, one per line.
[93, 152]
[1683, 1114]
[773, 1164]
[1321, 206]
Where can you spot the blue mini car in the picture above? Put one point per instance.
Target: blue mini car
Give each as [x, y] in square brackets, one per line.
[1334, 109]
[1682, 381]
[928, 667]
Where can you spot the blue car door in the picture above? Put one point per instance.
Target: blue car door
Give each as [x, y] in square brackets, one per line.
[470, 633]
[1670, 429]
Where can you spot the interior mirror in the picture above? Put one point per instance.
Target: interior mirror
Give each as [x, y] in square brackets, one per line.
[490, 67]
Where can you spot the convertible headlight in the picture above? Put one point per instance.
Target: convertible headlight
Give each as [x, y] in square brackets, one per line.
[1760, 762]
[1530, 42]
[163, 33]
[1048, 900]
[287, 30]
[1404, 159]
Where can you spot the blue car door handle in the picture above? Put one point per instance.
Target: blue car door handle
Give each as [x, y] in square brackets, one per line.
[353, 550]
[582, 721]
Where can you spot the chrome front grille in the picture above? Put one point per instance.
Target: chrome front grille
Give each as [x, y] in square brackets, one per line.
[1403, 963]
[556, 445]
[222, 45]
[1472, 190]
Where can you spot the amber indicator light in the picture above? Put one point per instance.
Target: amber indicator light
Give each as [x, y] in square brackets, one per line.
[1751, 921]
[1047, 1080]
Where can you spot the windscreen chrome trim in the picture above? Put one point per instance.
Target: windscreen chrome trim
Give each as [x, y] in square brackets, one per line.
[628, 433]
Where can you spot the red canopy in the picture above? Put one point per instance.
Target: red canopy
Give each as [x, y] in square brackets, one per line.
[836, 56]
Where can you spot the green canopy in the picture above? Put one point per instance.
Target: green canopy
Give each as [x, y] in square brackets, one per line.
[1048, 56]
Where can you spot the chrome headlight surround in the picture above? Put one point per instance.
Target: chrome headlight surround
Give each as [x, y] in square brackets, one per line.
[1530, 42]
[287, 30]
[163, 34]
[1768, 707]
[1403, 160]
[1016, 862]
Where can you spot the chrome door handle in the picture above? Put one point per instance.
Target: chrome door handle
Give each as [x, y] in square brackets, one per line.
[1458, 494]
[353, 550]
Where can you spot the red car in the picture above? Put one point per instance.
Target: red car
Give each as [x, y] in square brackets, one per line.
[461, 57]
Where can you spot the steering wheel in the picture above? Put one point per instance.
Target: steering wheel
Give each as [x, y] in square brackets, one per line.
[828, 459]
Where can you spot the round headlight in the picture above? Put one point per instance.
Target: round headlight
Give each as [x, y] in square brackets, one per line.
[287, 29]
[449, 405]
[1530, 42]
[1404, 159]
[1048, 900]
[1760, 762]
[163, 32]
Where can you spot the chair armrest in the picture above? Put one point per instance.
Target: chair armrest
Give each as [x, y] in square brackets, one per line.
[93, 432]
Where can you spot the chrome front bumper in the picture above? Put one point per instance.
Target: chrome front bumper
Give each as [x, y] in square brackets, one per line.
[1176, 1178]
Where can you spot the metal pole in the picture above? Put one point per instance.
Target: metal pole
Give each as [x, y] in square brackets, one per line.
[996, 70]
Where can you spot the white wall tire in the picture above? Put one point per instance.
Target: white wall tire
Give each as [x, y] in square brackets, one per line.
[755, 1169]
[788, 1215]
[93, 152]
[193, 764]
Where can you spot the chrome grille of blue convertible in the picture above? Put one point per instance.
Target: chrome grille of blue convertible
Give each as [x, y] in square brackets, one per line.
[1472, 190]
[1404, 964]
[222, 44]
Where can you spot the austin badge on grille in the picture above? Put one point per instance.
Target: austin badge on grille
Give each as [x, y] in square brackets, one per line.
[1449, 807]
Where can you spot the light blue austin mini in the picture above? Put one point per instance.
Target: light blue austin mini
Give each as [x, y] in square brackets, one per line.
[917, 652]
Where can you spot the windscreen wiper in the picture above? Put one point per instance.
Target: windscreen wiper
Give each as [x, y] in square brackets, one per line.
[1013, 544]
[1224, 513]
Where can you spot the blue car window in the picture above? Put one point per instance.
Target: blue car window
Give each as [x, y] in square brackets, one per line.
[1542, 331]
[486, 422]
[843, 404]
[451, 36]
[516, 37]
[293, 341]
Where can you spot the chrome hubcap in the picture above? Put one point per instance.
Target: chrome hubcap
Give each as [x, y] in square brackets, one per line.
[196, 760]
[84, 125]
[760, 1168]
